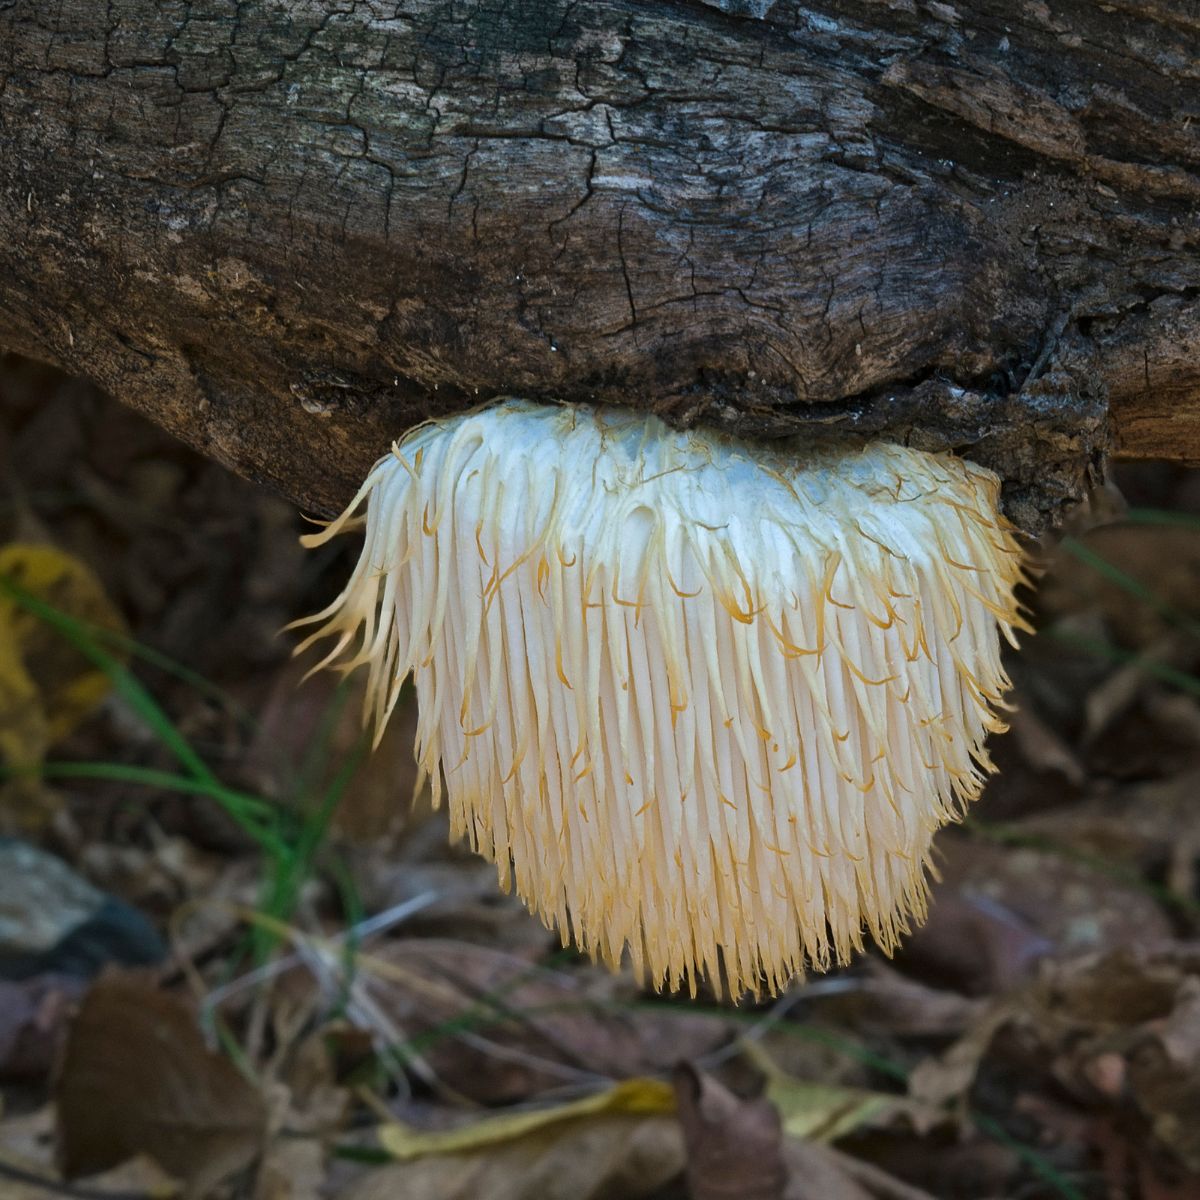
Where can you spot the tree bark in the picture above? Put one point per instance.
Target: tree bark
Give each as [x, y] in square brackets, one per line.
[288, 229]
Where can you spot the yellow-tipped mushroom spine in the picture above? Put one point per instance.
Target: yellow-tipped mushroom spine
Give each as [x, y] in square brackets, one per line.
[701, 700]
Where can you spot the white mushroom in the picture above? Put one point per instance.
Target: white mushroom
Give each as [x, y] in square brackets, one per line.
[701, 700]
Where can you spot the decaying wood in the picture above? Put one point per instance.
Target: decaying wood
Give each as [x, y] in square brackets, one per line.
[289, 229]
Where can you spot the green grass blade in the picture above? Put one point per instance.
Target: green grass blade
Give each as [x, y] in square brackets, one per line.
[1127, 583]
[1038, 1163]
[1163, 517]
[284, 892]
[123, 681]
[256, 816]
[316, 757]
[1106, 650]
[185, 674]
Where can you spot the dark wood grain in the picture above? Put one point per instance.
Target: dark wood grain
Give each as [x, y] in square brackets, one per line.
[288, 230]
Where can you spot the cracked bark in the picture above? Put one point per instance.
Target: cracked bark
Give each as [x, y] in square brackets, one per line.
[289, 229]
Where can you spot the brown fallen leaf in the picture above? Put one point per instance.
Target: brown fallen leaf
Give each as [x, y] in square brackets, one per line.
[378, 799]
[974, 942]
[734, 1146]
[895, 1005]
[32, 1016]
[292, 1169]
[137, 1078]
[1147, 826]
[608, 1156]
[1164, 1076]
[948, 1077]
[1042, 748]
[817, 1172]
[1001, 908]
[28, 1170]
[498, 1029]
[1118, 1033]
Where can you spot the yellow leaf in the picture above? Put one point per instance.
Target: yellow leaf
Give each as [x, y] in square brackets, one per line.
[639, 1096]
[824, 1112]
[24, 731]
[46, 686]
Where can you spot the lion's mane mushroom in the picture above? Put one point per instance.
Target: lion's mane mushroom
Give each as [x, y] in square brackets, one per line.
[700, 700]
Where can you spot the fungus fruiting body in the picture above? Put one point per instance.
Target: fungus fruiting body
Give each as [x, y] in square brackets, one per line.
[702, 701]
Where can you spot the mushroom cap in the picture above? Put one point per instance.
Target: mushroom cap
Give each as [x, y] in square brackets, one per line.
[702, 701]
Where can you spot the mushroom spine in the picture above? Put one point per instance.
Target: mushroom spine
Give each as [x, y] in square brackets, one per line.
[699, 700]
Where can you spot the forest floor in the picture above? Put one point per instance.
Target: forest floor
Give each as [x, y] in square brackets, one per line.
[336, 1002]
